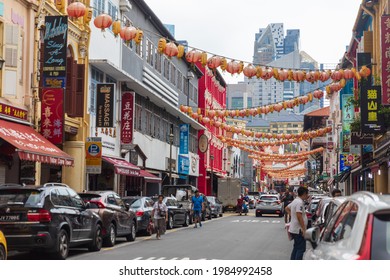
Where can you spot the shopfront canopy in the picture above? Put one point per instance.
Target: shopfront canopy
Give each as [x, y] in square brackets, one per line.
[123, 167]
[149, 177]
[32, 146]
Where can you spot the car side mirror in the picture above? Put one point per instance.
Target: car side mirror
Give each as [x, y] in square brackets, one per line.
[180, 205]
[312, 235]
[127, 206]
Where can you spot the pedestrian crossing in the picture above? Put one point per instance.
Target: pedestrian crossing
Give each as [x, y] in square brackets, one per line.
[170, 259]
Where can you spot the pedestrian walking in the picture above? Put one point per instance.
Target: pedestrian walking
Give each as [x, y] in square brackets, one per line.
[160, 216]
[298, 224]
[287, 198]
[197, 206]
[240, 202]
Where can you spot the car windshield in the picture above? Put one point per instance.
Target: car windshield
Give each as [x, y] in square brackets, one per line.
[268, 198]
[211, 199]
[134, 203]
[21, 197]
[380, 249]
[89, 197]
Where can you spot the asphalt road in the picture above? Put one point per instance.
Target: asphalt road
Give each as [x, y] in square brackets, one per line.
[231, 237]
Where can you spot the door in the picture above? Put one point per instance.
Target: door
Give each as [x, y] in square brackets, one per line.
[86, 226]
[124, 217]
[66, 211]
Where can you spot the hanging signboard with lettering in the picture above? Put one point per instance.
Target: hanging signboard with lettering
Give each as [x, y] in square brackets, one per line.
[127, 118]
[105, 105]
[371, 120]
[385, 43]
[55, 50]
[184, 138]
[52, 115]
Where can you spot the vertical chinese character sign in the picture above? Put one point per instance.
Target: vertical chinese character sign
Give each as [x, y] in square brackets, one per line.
[52, 114]
[385, 44]
[127, 118]
[184, 138]
[371, 120]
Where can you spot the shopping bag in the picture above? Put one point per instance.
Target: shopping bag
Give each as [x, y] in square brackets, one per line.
[150, 228]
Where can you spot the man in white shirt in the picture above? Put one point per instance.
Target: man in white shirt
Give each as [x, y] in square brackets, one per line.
[298, 224]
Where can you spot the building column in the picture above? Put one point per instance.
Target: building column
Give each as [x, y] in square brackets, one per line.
[75, 177]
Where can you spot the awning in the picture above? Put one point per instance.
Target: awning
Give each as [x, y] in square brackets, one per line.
[149, 177]
[344, 177]
[330, 181]
[32, 146]
[122, 167]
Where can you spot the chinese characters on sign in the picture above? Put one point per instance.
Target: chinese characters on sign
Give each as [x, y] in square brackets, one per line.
[371, 121]
[52, 115]
[385, 43]
[105, 105]
[127, 118]
[55, 48]
[13, 112]
[184, 138]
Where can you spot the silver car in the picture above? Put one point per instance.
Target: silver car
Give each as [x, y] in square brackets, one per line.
[216, 206]
[269, 204]
[359, 230]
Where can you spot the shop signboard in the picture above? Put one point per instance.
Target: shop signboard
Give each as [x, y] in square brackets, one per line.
[93, 151]
[184, 138]
[371, 120]
[105, 105]
[184, 165]
[55, 46]
[385, 69]
[360, 138]
[127, 119]
[52, 115]
[13, 112]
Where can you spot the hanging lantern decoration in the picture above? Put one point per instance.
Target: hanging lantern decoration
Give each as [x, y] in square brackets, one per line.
[60, 5]
[138, 36]
[232, 67]
[76, 10]
[267, 74]
[336, 76]
[180, 51]
[162, 43]
[249, 71]
[88, 15]
[365, 72]
[282, 74]
[348, 74]
[311, 77]
[193, 56]
[278, 107]
[116, 28]
[103, 21]
[128, 33]
[214, 62]
[171, 49]
[203, 59]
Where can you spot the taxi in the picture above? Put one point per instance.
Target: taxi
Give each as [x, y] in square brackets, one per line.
[3, 247]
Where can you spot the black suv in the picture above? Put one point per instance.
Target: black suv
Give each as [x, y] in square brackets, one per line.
[51, 217]
[114, 213]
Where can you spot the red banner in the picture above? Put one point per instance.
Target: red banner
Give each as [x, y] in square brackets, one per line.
[52, 115]
[385, 43]
[11, 111]
[127, 118]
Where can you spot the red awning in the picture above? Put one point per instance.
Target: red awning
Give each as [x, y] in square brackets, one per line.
[149, 177]
[32, 146]
[122, 167]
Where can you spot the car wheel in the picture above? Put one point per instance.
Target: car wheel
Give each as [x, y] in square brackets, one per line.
[220, 214]
[62, 249]
[258, 214]
[97, 242]
[170, 222]
[3, 253]
[186, 221]
[133, 233]
[109, 241]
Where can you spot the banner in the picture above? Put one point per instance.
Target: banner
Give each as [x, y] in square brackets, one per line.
[347, 115]
[93, 155]
[55, 45]
[370, 102]
[385, 44]
[184, 165]
[52, 115]
[105, 105]
[184, 138]
[127, 118]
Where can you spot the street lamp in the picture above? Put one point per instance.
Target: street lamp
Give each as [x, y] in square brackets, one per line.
[171, 136]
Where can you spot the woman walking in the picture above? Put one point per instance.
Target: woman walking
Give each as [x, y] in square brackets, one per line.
[160, 215]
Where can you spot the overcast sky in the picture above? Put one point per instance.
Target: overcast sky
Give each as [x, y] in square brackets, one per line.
[228, 27]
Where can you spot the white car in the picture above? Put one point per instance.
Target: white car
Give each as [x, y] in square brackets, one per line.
[359, 230]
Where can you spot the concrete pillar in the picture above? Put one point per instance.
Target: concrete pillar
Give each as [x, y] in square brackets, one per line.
[75, 176]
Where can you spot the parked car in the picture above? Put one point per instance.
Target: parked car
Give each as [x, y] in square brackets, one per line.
[311, 209]
[207, 212]
[50, 217]
[3, 247]
[142, 206]
[325, 210]
[115, 215]
[252, 202]
[269, 204]
[359, 230]
[216, 206]
[177, 214]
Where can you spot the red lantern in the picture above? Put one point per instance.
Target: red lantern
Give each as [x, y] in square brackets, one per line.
[267, 74]
[348, 74]
[278, 107]
[233, 67]
[214, 62]
[211, 113]
[76, 10]
[249, 71]
[217, 124]
[336, 76]
[103, 21]
[171, 49]
[324, 76]
[128, 33]
[283, 75]
[193, 56]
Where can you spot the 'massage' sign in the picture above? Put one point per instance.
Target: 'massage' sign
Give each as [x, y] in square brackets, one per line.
[105, 105]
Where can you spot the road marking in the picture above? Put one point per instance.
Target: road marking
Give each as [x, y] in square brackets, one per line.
[162, 258]
[256, 221]
[139, 258]
[151, 258]
[175, 258]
